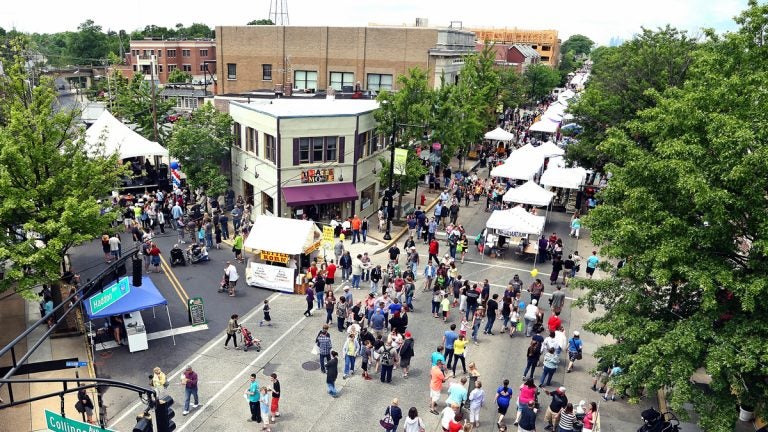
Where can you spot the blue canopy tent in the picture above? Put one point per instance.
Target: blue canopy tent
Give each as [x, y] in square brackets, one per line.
[139, 298]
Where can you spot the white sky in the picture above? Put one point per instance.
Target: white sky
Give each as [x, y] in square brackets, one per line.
[598, 19]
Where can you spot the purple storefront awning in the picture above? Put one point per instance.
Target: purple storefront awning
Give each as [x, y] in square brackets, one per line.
[319, 194]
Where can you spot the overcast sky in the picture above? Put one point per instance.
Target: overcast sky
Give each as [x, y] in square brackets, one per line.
[601, 20]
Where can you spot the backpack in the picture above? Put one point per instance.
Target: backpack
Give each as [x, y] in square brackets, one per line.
[386, 357]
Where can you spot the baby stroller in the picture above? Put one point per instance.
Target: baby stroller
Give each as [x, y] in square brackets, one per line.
[248, 340]
[177, 256]
[197, 254]
[655, 421]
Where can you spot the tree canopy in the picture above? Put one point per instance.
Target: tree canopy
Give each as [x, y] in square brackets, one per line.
[578, 44]
[540, 79]
[49, 182]
[179, 76]
[686, 205]
[202, 143]
[262, 21]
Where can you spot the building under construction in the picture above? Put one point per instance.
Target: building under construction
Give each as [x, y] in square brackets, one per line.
[545, 42]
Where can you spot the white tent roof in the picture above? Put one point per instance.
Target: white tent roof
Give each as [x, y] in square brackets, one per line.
[516, 220]
[568, 94]
[522, 164]
[117, 137]
[529, 193]
[568, 178]
[550, 149]
[276, 234]
[500, 135]
[545, 125]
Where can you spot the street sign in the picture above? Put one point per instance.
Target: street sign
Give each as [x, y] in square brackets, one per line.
[56, 423]
[110, 295]
[76, 363]
[196, 311]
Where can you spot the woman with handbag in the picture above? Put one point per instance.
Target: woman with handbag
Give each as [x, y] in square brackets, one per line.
[392, 416]
[574, 350]
[413, 423]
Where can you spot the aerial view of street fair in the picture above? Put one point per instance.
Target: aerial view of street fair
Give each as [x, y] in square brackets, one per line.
[403, 217]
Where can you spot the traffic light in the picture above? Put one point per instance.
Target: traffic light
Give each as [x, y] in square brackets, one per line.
[164, 415]
[143, 424]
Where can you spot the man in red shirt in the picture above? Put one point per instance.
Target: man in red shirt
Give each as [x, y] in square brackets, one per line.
[330, 273]
[554, 321]
[356, 222]
[434, 247]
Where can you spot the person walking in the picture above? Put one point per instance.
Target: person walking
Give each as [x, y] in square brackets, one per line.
[567, 418]
[189, 381]
[449, 337]
[395, 413]
[459, 347]
[590, 419]
[309, 296]
[332, 373]
[575, 346]
[492, 305]
[351, 349]
[503, 397]
[232, 328]
[558, 403]
[592, 262]
[330, 306]
[437, 378]
[231, 276]
[84, 405]
[274, 406]
[324, 345]
[413, 423]
[253, 395]
[159, 382]
[527, 394]
[551, 360]
[237, 246]
[476, 401]
[406, 353]
[528, 418]
[532, 355]
[387, 361]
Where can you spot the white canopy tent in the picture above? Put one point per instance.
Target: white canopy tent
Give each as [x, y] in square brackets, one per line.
[545, 125]
[516, 220]
[117, 137]
[567, 178]
[520, 165]
[283, 235]
[499, 134]
[529, 193]
[550, 149]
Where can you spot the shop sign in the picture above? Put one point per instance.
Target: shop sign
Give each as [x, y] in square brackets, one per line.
[196, 311]
[328, 234]
[312, 248]
[274, 257]
[319, 175]
[271, 277]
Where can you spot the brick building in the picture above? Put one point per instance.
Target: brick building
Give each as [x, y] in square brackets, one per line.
[191, 56]
[545, 42]
[306, 59]
[518, 56]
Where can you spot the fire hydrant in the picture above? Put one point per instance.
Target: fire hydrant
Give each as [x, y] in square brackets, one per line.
[423, 199]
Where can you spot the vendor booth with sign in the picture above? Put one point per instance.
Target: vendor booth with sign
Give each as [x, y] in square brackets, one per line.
[511, 227]
[283, 248]
[122, 301]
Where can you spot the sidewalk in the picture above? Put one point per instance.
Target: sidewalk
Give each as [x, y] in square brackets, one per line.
[16, 314]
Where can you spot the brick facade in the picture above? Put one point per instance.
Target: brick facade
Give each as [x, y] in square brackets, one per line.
[170, 54]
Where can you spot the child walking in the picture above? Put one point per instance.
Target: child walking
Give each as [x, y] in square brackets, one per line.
[267, 318]
[445, 306]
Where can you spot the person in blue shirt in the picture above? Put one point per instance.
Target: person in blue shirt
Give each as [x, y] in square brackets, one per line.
[574, 350]
[449, 337]
[438, 355]
[592, 262]
[503, 396]
[253, 399]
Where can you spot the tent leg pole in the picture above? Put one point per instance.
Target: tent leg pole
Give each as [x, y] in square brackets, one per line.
[173, 333]
[153, 312]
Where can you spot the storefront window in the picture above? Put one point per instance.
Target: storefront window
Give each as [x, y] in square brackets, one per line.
[367, 196]
[267, 204]
[317, 149]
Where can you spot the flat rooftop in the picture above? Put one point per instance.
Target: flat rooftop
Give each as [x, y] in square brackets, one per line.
[292, 108]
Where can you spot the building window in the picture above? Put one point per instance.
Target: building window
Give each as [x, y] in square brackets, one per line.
[151, 52]
[270, 148]
[250, 139]
[304, 150]
[231, 71]
[202, 67]
[159, 53]
[266, 72]
[367, 196]
[267, 204]
[546, 48]
[379, 82]
[317, 149]
[171, 52]
[144, 53]
[331, 149]
[305, 80]
[237, 133]
[186, 68]
[135, 68]
[135, 52]
[203, 53]
[171, 67]
[545, 58]
[341, 79]
[371, 143]
[160, 68]
[186, 53]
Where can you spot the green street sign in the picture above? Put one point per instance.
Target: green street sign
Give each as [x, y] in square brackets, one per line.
[110, 295]
[56, 423]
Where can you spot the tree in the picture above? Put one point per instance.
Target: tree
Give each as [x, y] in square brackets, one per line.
[132, 102]
[179, 76]
[540, 79]
[578, 44]
[686, 202]
[88, 45]
[202, 143]
[49, 183]
[619, 84]
[261, 22]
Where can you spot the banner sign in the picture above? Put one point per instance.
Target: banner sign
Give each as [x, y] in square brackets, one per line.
[401, 160]
[271, 277]
[328, 233]
[275, 257]
[312, 248]
[320, 175]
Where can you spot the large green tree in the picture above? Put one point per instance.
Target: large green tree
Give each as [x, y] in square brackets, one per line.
[132, 101]
[578, 44]
[202, 143]
[540, 79]
[619, 84]
[687, 205]
[49, 182]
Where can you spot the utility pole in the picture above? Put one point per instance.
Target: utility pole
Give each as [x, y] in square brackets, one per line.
[153, 59]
